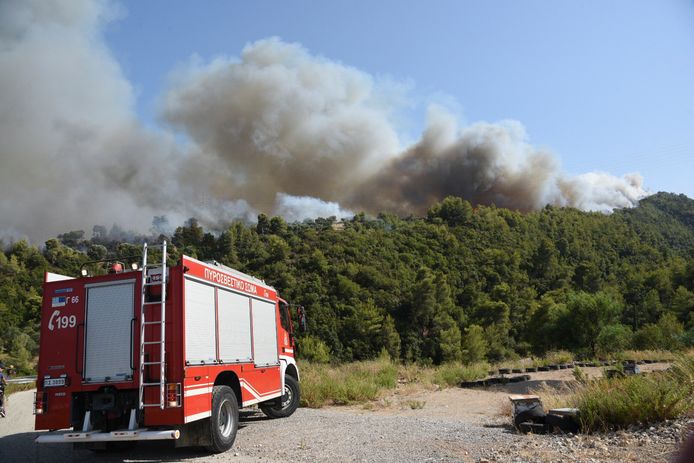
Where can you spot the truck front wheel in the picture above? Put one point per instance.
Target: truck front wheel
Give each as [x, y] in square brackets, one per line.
[224, 421]
[287, 404]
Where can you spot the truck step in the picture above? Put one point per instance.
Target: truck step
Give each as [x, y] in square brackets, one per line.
[147, 343]
[151, 363]
[155, 322]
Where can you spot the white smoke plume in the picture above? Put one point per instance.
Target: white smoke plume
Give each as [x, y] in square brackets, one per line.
[275, 130]
[299, 208]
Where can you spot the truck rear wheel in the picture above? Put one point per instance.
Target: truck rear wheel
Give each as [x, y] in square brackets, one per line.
[224, 421]
[287, 404]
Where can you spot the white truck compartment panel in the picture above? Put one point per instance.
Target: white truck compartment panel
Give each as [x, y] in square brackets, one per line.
[200, 323]
[234, 314]
[108, 340]
[264, 333]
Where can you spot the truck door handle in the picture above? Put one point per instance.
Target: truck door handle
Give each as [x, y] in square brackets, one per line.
[132, 339]
[78, 368]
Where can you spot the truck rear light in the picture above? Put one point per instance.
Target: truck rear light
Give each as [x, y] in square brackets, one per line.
[40, 402]
[173, 394]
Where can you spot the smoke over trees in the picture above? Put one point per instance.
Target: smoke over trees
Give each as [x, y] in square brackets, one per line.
[275, 130]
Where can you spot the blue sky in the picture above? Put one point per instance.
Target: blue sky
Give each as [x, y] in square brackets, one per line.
[605, 85]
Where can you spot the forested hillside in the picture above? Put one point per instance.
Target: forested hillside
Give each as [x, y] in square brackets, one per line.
[462, 283]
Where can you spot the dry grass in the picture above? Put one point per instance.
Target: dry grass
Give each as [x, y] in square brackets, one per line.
[553, 397]
[620, 402]
[345, 384]
[11, 388]
[360, 382]
[505, 409]
[646, 355]
[415, 404]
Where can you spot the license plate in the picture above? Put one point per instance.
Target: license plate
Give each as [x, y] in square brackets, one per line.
[53, 382]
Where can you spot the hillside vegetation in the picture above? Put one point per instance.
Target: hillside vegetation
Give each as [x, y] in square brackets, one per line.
[462, 283]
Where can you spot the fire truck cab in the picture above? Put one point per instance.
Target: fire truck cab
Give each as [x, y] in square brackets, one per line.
[159, 352]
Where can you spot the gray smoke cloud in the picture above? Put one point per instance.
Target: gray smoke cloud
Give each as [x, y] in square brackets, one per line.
[281, 120]
[276, 130]
[488, 164]
[73, 154]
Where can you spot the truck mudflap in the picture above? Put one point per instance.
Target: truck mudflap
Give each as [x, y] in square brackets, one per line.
[113, 436]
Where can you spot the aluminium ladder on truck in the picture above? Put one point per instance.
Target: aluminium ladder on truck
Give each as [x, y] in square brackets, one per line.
[161, 321]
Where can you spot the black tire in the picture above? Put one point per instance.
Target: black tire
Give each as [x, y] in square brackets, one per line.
[287, 404]
[561, 423]
[533, 415]
[224, 421]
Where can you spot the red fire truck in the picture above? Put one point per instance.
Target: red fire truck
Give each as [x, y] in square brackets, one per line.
[161, 352]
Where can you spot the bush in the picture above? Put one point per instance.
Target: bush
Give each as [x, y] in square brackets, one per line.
[613, 338]
[20, 347]
[314, 350]
[619, 402]
[671, 330]
[451, 374]
[688, 337]
[648, 337]
[474, 344]
[555, 357]
[666, 334]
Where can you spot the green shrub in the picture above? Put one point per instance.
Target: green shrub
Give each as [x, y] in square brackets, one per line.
[671, 330]
[474, 344]
[688, 337]
[648, 337]
[555, 357]
[613, 338]
[314, 350]
[451, 374]
[666, 334]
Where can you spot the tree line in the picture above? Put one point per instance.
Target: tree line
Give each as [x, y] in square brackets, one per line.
[463, 283]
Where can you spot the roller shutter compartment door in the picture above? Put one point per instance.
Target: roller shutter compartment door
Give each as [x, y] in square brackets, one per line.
[200, 323]
[108, 339]
[234, 315]
[264, 333]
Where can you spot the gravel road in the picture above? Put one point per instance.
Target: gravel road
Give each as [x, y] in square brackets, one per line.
[330, 434]
[451, 425]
